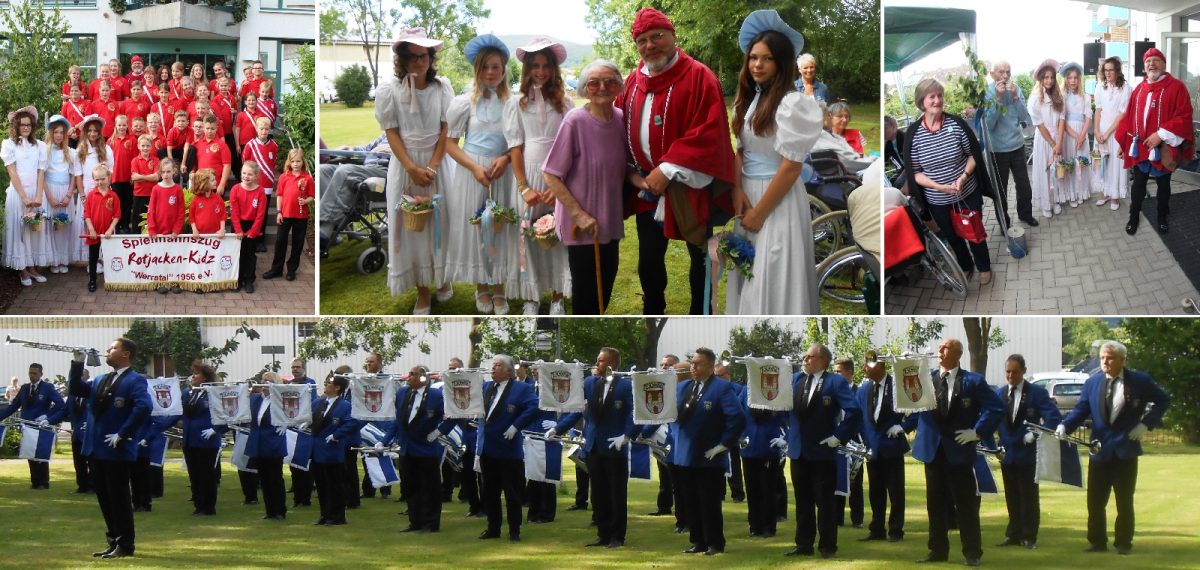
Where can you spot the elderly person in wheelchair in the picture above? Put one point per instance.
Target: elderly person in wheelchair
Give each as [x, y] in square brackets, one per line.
[341, 179]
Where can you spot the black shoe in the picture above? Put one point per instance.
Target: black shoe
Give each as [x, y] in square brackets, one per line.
[694, 549]
[896, 538]
[713, 551]
[656, 513]
[680, 529]
[577, 508]
[141, 509]
[249, 287]
[871, 537]
[489, 534]
[1124, 550]
[933, 558]
[199, 291]
[475, 515]
[616, 544]
[799, 551]
[291, 276]
[827, 554]
[857, 525]
[1095, 548]
[972, 562]
[1131, 227]
[176, 289]
[92, 286]
[514, 537]
[260, 248]
[410, 528]
[81, 491]
[100, 553]
[1030, 221]
[1029, 544]
[272, 274]
[1161, 227]
[739, 499]
[337, 522]
[118, 552]
[768, 534]
[598, 542]
[1009, 541]
[321, 521]
[250, 502]
[162, 289]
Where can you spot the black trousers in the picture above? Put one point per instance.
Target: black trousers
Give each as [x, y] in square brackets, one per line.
[249, 260]
[702, 487]
[652, 269]
[140, 489]
[249, 484]
[1118, 476]
[83, 475]
[856, 502]
[543, 505]
[270, 474]
[939, 474]
[449, 481]
[302, 486]
[116, 506]
[235, 159]
[124, 192]
[291, 229]
[140, 206]
[969, 255]
[666, 497]
[469, 479]
[202, 476]
[581, 259]
[93, 259]
[425, 496]
[39, 473]
[331, 490]
[887, 483]
[814, 483]
[156, 481]
[1014, 161]
[1137, 193]
[1021, 498]
[610, 494]
[583, 485]
[350, 479]
[681, 506]
[507, 476]
[737, 487]
[781, 489]
[760, 495]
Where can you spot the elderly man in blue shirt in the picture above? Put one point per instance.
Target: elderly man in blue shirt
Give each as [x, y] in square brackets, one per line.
[339, 182]
[1005, 140]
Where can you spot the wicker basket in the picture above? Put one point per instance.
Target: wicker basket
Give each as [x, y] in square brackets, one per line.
[416, 221]
[1060, 170]
[547, 242]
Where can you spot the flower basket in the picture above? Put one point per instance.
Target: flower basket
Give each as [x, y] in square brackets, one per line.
[543, 231]
[738, 251]
[1062, 167]
[501, 216]
[33, 220]
[61, 220]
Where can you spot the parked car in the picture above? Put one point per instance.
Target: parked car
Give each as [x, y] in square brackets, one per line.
[1064, 387]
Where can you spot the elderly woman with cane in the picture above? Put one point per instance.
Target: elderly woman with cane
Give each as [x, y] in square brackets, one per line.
[585, 170]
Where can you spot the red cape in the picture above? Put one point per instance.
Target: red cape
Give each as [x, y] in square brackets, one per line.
[1171, 96]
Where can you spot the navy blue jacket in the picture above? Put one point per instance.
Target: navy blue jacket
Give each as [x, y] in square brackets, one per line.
[1035, 406]
[263, 441]
[44, 401]
[875, 433]
[337, 423]
[430, 416]
[196, 418]
[1140, 391]
[517, 408]
[975, 406]
[122, 411]
[761, 427]
[603, 422]
[823, 418]
[716, 419]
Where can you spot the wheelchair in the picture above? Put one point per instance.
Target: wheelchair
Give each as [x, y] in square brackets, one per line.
[367, 218]
[920, 247]
[828, 189]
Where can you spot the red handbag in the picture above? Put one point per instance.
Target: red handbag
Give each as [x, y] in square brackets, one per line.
[968, 223]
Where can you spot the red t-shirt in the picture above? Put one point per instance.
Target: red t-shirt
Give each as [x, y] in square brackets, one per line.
[207, 213]
[165, 215]
[177, 137]
[101, 209]
[83, 89]
[108, 110]
[224, 112]
[265, 155]
[75, 112]
[212, 154]
[289, 191]
[135, 108]
[268, 109]
[192, 116]
[248, 205]
[160, 143]
[92, 91]
[251, 86]
[149, 78]
[212, 86]
[124, 150]
[246, 129]
[120, 88]
[143, 166]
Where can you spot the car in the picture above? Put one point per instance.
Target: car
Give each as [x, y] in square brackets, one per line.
[1064, 387]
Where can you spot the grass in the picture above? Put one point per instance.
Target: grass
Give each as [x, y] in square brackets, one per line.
[57, 529]
[342, 286]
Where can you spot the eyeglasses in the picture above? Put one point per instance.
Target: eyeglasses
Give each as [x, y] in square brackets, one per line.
[594, 84]
[257, 68]
[655, 38]
[417, 56]
[25, 125]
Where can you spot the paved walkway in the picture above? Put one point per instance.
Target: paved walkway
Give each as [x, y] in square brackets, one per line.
[68, 295]
[1079, 263]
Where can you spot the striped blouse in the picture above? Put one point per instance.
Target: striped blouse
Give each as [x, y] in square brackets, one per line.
[942, 156]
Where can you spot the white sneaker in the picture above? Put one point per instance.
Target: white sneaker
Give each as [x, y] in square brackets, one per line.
[445, 293]
[39, 278]
[1102, 201]
[558, 307]
[1074, 204]
[499, 305]
[1046, 214]
[531, 308]
[1115, 205]
[484, 308]
[421, 311]
[1057, 209]
[99, 268]
[63, 269]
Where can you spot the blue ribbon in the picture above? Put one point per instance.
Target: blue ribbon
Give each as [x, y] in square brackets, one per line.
[437, 225]
[487, 234]
[707, 285]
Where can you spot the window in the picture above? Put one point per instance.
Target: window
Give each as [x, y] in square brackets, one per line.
[280, 61]
[84, 49]
[306, 329]
[300, 5]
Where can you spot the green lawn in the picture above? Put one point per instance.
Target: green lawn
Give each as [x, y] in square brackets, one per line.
[342, 286]
[58, 529]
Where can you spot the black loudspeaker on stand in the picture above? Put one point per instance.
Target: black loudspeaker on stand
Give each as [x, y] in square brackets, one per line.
[1093, 53]
[1139, 50]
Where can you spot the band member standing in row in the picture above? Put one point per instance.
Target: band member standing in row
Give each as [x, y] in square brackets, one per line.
[302, 481]
[1123, 405]
[201, 442]
[666, 493]
[39, 402]
[267, 446]
[419, 424]
[118, 405]
[509, 407]
[766, 438]
[845, 367]
[821, 397]
[884, 437]
[332, 428]
[539, 495]
[77, 406]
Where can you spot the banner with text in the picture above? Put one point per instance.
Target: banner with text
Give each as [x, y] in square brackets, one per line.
[195, 263]
[654, 397]
[560, 387]
[165, 394]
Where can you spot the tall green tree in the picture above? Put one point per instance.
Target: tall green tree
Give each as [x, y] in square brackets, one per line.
[982, 336]
[368, 23]
[179, 340]
[335, 337]
[1169, 350]
[581, 339]
[1079, 334]
[332, 25]
[851, 338]
[764, 338]
[453, 21]
[298, 109]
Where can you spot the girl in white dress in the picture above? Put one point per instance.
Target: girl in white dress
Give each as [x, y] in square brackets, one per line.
[776, 127]
[1077, 114]
[478, 254]
[411, 109]
[1111, 101]
[92, 152]
[530, 124]
[25, 159]
[1046, 111]
[62, 192]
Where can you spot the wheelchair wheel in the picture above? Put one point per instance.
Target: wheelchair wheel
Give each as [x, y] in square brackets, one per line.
[841, 276]
[371, 260]
[816, 207]
[940, 262]
[828, 234]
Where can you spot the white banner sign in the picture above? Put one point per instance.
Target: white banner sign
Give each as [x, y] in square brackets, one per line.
[463, 392]
[229, 404]
[768, 383]
[560, 387]
[291, 404]
[142, 263]
[914, 386]
[164, 393]
[654, 399]
[373, 397]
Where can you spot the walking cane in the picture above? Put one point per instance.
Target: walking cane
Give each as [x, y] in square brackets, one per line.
[596, 257]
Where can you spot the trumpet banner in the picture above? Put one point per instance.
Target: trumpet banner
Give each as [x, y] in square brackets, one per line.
[560, 387]
[36, 444]
[165, 395]
[229, 404]
[142, 263]
[768, 383]
[914, 386]
[238, 457]
[372, 397]
[1058, 462]
[463, 390]
[639, 461]
[300, 446]
[291, 404]
[380, 470]
[654, 397]
[543, 460]
[985, 481]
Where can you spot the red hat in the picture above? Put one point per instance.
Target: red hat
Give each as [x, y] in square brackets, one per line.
[136, 59]
[650, 19]
[1153, 52]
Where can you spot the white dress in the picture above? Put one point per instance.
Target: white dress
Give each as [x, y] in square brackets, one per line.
[1113, 179]
[416, 258]
[23, 247]
[543, 270]
[1077, 109]
[476, 257]
[79, 251]
[61, 169]
[785, 279]
[1041, 170]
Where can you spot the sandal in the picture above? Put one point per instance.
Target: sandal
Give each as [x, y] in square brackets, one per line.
[985, 277]
[499, 305]
[482, 306]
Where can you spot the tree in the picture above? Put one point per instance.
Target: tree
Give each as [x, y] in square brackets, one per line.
[1078, 336]
[851, 338]
[581, 339]
[353, 86]
[368, 24]
[453, 21]
[179, 339]
[333, 25]
[335, 337]
[654, 328]
[764, 338]
[1169, 350]
[982, 337]
[298, 108]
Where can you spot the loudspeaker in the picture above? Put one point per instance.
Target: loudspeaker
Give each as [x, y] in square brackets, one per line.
[1093, 53]
[1139, 50]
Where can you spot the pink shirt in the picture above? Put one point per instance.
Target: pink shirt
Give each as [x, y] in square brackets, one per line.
[589, 156]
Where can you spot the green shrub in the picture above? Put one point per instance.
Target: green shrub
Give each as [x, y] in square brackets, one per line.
[353, 86]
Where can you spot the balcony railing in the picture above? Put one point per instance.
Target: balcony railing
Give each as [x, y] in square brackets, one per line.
[136, 4]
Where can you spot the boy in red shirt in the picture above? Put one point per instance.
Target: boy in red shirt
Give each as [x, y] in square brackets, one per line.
[189, 146]
[244, 126]
[101, 212]
[158, 137]
[124, 148]
[75, 109]
[177, 138]
[266, 102]
[295, 195]
[166, 213]
[136, 105]
[105, 107]
[248, 211]
[143, 172]
[211, 152]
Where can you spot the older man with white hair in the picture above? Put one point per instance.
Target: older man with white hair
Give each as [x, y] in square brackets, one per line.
[509, 407]
[1005, 140]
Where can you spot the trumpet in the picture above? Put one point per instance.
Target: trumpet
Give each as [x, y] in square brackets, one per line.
[454, 452]
[368, 450]
[856, 456]
[1093, 445]
[998, 453]
[14, 421]
[93, 355]
[563, 439]
[660, 451]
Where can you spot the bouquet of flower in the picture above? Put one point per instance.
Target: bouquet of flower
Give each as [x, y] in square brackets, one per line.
[60, 220]
[34, 218]
[500, 215]
[1084, 160]
[416, 210]
[738, 251]
[1062, 167]
[544, 231]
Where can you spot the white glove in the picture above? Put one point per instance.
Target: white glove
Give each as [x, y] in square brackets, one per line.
[617, 442]
[659, 437]
[79, 355]
[433, 435]
[379, 445]
[208, 433]
[831, 441]
[1029, 437]
[1060, 431]
[511, 432]
[779, 442]
[550, 433]
[112, 440]
[895, 431]
[142, 443]
[281, 430]
[549, 424]
[715, 451]
[329, 439]
[1138, 431]
[965, 436]
[43, 421]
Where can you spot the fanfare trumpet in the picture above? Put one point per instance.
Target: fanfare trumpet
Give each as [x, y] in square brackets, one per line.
[14, 421]
[1093, 446]
[565, 440]
[856, 455]
[93, 355]
[454, 452]
[367, 450]
[998, 453]
[659, 450]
